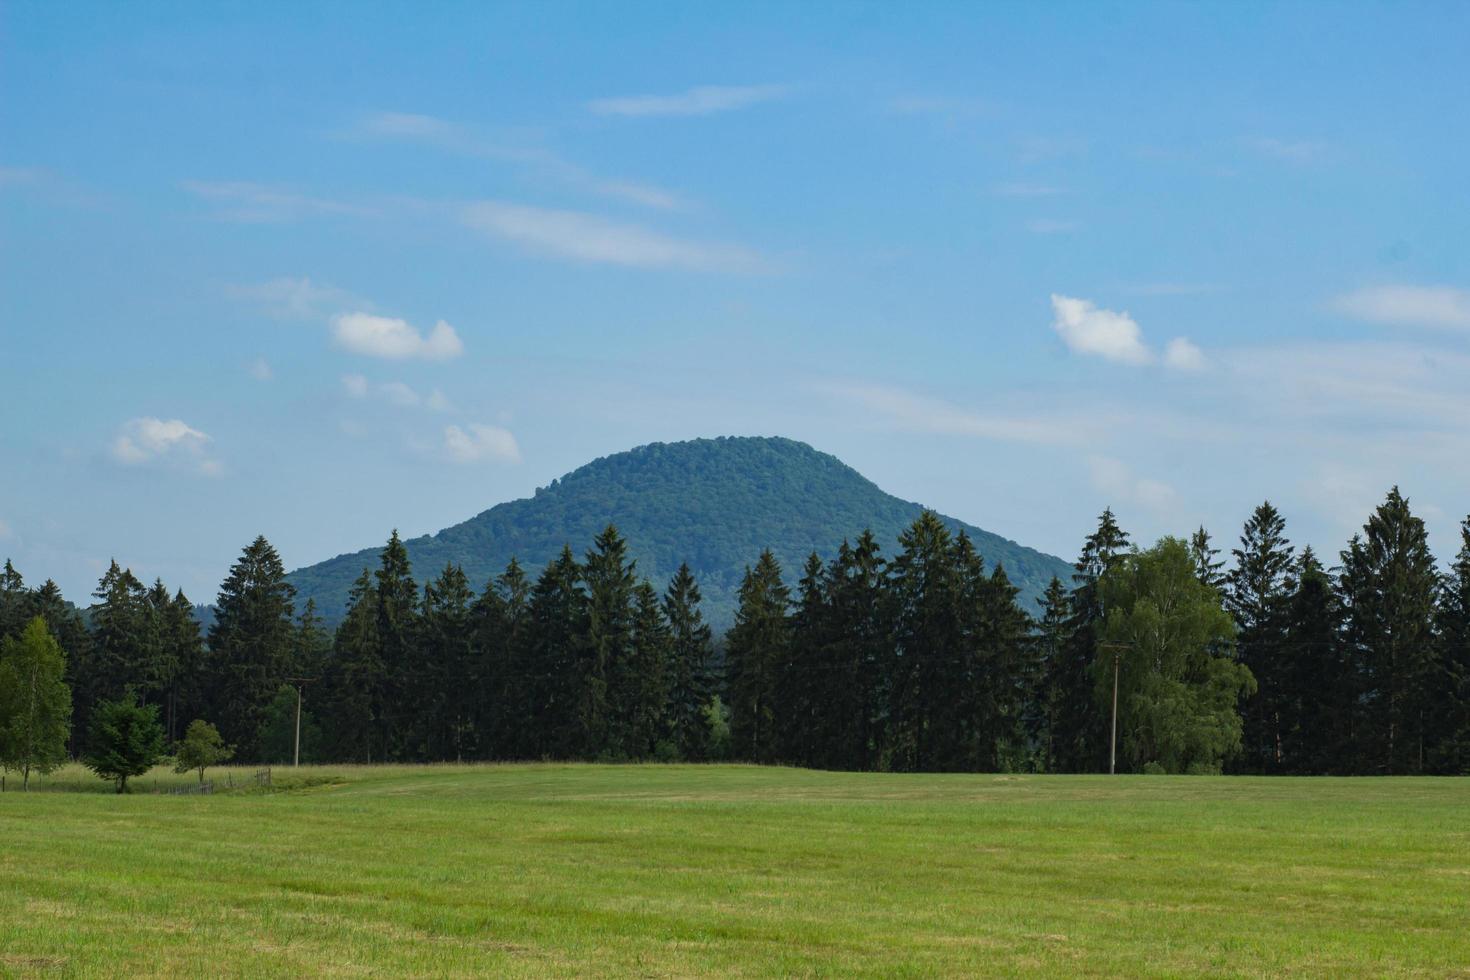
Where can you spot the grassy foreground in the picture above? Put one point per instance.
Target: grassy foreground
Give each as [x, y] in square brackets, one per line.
[540, 870]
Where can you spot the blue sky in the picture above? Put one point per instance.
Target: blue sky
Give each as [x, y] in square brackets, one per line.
[317, 271]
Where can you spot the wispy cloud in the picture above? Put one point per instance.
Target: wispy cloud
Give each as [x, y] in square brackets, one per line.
[702, 100]
[1113, 478]
[153, 440]
[1051, 226]
[396, 393]
[475, 443]
[1021, 188]
[5, 532]
[1288, 151]
[1441, 307]
[394, 339]
[260, 369]
[1113, 336]
[251, 203]
[297, 298]
[916, 413]
[590, 238]
[454, 137]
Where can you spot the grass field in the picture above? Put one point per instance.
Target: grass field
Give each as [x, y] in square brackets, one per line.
[543, 870]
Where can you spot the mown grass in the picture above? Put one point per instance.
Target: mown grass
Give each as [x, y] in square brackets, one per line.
[541, 870]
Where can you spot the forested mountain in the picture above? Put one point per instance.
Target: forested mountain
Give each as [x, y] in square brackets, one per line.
[713, 503]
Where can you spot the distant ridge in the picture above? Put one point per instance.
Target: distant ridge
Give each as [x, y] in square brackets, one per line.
[714, 503]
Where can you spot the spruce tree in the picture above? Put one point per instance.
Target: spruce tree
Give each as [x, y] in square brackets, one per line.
[645, 680]
[15, 601]
[251, 644]
[755, 649]
[858, 658]
[355, 685]
[691, 679]
[35, 703]
[1043, 720]
[124, 740]
[1318, 689]
[1206, 565]
[607, 691]
[1081, 741]
[1452, 755]
[1389, 584]
[801, 713]
[399, 713]
[448, 672]
[1259, 587]
[555, 668]
[498, 618]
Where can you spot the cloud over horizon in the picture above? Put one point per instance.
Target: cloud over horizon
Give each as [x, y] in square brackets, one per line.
[475, 443]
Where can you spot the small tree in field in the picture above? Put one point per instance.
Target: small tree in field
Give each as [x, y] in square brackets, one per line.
[200, 748]
[124, 739]
[35, 703]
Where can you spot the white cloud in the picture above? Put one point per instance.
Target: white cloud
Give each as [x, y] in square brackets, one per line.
[148, 440]
[590, 238]
[394, 339]
[1114, 478]
[355, 385]
[1182, 355]
[1417, 306]
[699, 101]
[396, 393]
[1289, 151]
[915, 413]
[251, 203]
[260, 369]
[476, 443]
[5, 532]
[1086, 329]
[297, 299]
[438, 402]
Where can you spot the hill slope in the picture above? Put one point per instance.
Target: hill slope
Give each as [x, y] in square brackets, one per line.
[714, 503]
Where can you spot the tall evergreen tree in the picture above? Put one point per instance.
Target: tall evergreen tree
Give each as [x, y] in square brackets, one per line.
[355, 685]
[399, 714]
[1083, 742]
[926, 733]
[1453, 752]
[755, 648]
[35, 703]
[555, 667]
[498, 621]
[802, 674]
[251, 644]
[1043, 721]
[1206, 565]
[1260, 586]
[448, 674]
[858, 658]
[691, 679]
[15, 601]
[606, 689]
[1389, 584]
[1318, 690]
[643, 682]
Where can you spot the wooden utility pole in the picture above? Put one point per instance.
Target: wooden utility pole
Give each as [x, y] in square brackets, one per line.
[1117, 649]
[299, 682]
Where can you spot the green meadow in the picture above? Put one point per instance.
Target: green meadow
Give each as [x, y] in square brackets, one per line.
[552, 870]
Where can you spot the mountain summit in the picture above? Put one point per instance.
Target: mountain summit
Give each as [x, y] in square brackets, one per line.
[714, 503]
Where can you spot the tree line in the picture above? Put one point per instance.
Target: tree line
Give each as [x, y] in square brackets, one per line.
[919, 661]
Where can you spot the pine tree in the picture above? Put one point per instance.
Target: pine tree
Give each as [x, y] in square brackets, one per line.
[555, 667]
[251, 643]
[858, 658]
[182, 646]
[65, 623]
[35, 703]
[398, 714]
[1008, 672]
[15, 601]
[801, 712]
[1206, 565]
[1043, 720]
[607, 690]
[355, 685]
[1082, 742]
[1389, 584]
[645, 680]
[125, 740]
[1259, 589]
[448, 673]
[691, 680]
[1452, 755]
[928, 668]
[498, 619]
[755, 648]
[1317, 687]
[122, 637]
